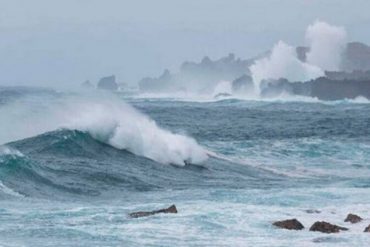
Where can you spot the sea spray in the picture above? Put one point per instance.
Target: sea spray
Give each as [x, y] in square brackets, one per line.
[123, 127]
[104, 117]
[326, 44]
[282, 63]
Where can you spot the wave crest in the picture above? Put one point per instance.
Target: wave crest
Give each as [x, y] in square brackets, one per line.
[123, 127]
[107, 119]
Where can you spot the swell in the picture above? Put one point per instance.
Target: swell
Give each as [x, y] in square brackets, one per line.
[60, 163]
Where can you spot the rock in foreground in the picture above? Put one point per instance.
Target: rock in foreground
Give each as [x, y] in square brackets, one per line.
[325, 227]
[353, 218]
[172, 209]
[292, 224]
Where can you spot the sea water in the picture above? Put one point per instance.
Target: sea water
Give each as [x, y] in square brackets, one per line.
[74, 165]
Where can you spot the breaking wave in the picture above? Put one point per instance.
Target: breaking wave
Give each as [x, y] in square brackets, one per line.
[105, 118]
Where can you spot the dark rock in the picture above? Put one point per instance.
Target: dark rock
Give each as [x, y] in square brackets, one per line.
[108, 83]
[222, 95]
[172, 209]
[243, 84]
[322, 88]
[302, 52]
[367, 229]
[326, 89]
[274, 88]
[312, 211]
[353, 218]
[325, 227]
[292, 224]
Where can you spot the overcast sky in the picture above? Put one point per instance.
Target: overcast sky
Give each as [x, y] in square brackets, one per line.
[65, 42]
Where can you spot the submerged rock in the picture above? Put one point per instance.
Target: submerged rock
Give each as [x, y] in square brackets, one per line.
[353, 218]
[367, 229]
[325, 227]
[312, 211]
[172, 209]
[292, 224]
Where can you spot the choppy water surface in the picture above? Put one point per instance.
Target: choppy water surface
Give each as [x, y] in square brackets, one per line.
[74, 165]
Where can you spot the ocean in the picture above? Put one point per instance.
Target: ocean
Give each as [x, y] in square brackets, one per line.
[73, 165]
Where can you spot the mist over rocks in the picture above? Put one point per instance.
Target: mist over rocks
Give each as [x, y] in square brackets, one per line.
[200, 78]
[243, 84]
[328, 68]
[355, 57]
[204, 77]
[108, 83]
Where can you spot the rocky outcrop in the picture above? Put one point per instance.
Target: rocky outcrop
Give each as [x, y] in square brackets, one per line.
[243, 84]
[302, 53]
[327, 89]
[325, 227]
[322, 88]
[292, 224]
[367, 229]
[172, 209]
[356, 57]
[353, 218]
[108, 83]
[199, 77]
[163, 83]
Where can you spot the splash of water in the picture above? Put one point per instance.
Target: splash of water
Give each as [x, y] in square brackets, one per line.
[326, 43]
[282, 63]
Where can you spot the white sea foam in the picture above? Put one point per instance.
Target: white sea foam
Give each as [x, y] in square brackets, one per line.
[4, 150]
[9, 191]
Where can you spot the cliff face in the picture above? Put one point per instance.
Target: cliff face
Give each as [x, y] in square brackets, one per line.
[327, 89]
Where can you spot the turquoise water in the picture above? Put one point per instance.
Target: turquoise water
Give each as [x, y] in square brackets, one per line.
[72, 182]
